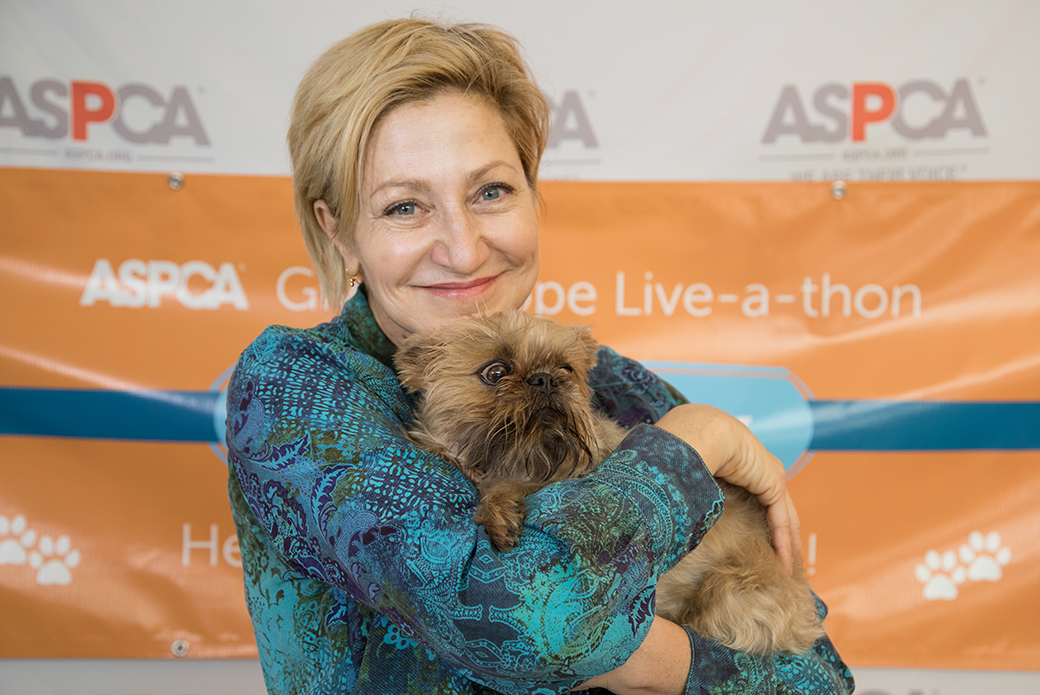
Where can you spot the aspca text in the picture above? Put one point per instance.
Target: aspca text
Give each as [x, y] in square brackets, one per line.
[137, 283]
[917, 110]
[137, 112]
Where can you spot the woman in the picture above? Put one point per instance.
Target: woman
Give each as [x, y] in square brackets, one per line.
[415, 153]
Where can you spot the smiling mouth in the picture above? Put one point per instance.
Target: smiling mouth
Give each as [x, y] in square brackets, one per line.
[462, 285]
[462, 289]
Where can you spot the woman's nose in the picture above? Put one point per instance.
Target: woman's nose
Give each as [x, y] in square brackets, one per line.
[462, 246]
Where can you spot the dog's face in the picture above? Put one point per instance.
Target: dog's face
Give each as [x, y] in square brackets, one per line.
[505, 395]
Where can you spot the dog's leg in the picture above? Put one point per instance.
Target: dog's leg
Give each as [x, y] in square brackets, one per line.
[501, 510]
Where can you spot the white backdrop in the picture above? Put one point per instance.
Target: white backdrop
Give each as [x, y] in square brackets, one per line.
[647, 91]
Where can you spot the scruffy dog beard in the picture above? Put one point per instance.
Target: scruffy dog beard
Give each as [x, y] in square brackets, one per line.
[505, 398]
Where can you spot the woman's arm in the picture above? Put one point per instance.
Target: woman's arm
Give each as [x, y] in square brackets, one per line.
[316, 445]
[662, 663]
[660, 666]
[674, 661]
[733, 453]
[632, 394]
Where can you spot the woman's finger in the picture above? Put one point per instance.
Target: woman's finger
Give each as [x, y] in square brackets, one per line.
[796, 530]
[765, 476]
[781, 530]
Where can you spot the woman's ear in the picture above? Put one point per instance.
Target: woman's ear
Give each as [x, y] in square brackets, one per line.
[330, 225]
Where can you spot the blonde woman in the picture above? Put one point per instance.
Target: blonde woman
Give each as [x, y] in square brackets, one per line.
[415, 150]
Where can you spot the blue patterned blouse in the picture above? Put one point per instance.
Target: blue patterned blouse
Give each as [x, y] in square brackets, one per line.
[365, 573]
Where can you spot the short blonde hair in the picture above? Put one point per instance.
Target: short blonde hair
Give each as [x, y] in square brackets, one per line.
[360, 79]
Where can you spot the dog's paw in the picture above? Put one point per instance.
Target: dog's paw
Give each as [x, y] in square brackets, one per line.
[503, 538]
[502, 516]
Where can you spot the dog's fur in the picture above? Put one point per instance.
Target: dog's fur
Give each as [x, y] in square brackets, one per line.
[505, 398]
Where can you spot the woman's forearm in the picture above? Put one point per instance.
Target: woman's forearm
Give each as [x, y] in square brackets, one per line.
[731, 452]
[659, 666]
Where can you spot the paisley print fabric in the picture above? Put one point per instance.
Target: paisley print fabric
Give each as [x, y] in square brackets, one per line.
[365, 573]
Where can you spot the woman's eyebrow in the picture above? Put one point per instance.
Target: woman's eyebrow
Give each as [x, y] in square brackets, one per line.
[423, 186]
[420, 185]
[482, 171]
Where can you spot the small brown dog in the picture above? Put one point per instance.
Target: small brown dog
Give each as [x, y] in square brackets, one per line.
[505, 398]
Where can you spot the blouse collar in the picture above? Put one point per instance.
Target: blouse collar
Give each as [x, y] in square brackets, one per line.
[364, 333]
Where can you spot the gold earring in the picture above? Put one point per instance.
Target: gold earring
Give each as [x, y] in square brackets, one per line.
[353, 279]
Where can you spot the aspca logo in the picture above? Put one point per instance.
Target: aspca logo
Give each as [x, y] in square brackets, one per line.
[570, 121]
[137, 283]
[917, 110]
[137, 112]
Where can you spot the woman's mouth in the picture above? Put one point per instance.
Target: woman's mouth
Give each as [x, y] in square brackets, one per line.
[468, 289]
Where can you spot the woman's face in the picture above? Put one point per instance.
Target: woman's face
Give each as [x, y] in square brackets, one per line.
[448, 224]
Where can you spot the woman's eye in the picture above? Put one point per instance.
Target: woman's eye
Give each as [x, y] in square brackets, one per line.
[401, 209]
[494, 372]
[494, 191]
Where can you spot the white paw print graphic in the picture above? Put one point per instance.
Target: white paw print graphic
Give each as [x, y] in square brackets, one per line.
[981, 559]
[53, 560]
[984, 556]
[15, 540]
[940, 575]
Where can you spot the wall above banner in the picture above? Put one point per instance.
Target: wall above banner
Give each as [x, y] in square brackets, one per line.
[801, 91]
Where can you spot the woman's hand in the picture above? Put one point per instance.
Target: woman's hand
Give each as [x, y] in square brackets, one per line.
[660, 666]
[732, 453]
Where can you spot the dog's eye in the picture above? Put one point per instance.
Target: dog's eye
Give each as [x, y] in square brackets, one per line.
[493, 373]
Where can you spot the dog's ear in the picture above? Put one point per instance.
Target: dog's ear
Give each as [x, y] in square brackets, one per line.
[589, 346]
[413, 358]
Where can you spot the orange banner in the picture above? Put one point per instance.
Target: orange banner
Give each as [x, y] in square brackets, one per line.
[886, 339]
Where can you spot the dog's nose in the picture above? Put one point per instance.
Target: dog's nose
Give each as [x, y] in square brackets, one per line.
[542, 381]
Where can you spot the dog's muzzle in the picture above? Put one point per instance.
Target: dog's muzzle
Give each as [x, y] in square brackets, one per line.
[543, 382]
